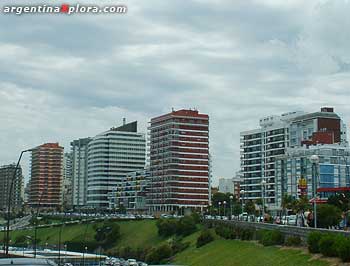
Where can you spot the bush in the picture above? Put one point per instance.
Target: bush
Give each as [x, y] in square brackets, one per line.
[21, 240]
[225, 232]
[327, 245]
[205, 237]
[186, 226]
[246, 234]
[166, 227]
[270, 238]
[159, 254]
[313, 242]
[328, 215]
[343, 249]
[293, 241]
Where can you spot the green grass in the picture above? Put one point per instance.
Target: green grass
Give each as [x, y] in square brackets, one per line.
[237, 253]
[133, 233]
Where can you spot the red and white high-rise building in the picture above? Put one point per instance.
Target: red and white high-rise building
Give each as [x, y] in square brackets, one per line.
[179, 161]
[45, 189]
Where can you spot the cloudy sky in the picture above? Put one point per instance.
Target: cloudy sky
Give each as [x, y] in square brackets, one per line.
[64, 77]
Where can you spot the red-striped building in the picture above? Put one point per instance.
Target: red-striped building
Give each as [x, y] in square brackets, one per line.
[46, 176]
[179, 161]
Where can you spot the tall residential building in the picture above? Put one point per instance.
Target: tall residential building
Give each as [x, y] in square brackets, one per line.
[79, 151]
[46, 176]
[6, 176]
[111, 155]
[261, 146]
[130, 192]
[179, 163]
[294, 171]
[67, 196]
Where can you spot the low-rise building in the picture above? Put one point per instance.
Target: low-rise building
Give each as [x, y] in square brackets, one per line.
[130, 192]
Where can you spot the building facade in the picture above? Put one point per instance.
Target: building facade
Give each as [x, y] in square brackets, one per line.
[79, 151]
[179, 161]
[111, 155]
[130, 192]
[67, 193]
[226, 185]
[46, 176]
[294, 171]
[260, 147]
[6, 177]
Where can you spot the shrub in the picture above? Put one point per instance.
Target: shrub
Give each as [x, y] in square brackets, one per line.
[328, 215]
[159, 254]
[246, 234]
[343, 249]
[166, 227]
[327, 245]
[270, 238]
[313, 242]
[205, 237]
[225, 232]
[186, 226]
[293, 241]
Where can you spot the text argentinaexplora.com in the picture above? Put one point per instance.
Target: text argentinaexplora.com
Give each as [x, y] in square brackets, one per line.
[64, 8]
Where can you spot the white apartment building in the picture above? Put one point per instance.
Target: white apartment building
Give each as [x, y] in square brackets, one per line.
[79, 149]
[111, 155]
[261, 146]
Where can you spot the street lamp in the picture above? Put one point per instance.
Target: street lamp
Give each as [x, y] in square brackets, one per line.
[242, 199]
[263, 183]
[9, 202]
[314, 160]
[231, 199]
[224, 207]
[219, 208]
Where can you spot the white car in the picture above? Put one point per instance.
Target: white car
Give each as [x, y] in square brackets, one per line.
[132, 262]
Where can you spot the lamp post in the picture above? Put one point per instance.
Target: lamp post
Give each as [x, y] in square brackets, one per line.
[224, 207]
[231, 199]
[314, 160]
[219, 208]
[9, 203]
[263, 183]
[241, 193]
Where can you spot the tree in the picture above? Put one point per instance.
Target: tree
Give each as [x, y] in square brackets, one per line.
[249, 207]
[342, 201]
[328, 215]
[221, 197]
[300, 205]
[287, 203]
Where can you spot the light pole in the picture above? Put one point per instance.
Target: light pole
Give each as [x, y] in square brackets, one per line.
[263, 183]
[224, 207]
[314, 160]
[219, 208]
[241, 193]
[231, 199]
[9, 202]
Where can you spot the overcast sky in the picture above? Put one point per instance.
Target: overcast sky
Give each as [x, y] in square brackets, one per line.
[65, 77]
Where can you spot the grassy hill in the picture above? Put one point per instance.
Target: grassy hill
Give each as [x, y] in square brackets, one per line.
[143, 233]
[242, 253]
[133, 233]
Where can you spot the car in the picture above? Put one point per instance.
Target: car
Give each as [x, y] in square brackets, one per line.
[132, 262]
[292, 220]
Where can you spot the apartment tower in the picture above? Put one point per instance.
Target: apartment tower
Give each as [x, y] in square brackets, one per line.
[46, 176]
[179, 161]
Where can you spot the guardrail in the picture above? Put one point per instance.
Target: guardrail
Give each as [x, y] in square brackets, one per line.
[287, 230]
